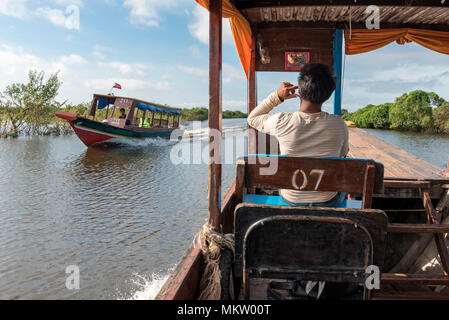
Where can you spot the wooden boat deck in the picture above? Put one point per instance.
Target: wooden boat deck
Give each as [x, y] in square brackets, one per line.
[397, 162]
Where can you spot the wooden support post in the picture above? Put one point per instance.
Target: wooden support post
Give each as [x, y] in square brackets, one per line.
[144, 116]
[434, 218]
[338, 68]
[239, 181]
[215, 63]
[93, 107]
[443, 205]
[252, 133]
[368, 187]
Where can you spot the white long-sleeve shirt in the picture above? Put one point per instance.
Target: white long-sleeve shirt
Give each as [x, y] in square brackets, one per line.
[302, 134]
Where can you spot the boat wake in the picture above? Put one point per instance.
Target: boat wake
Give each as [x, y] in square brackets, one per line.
[189, 133]
[149, 142]
[146, 287]
[203, 132]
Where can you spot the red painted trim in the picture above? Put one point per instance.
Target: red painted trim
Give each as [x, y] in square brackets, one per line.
[87, 137]
[66, 116]
[90, 138]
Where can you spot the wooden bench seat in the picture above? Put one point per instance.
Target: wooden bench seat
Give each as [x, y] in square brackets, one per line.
[276, 240]
[308, 174]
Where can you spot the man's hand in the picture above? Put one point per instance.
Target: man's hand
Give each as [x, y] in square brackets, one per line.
[287, 91]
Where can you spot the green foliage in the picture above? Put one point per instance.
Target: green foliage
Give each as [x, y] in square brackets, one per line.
[441, 117]
[371, 116]
[413, 111]
[60, 126]
[233, 114]
[198, 114]
[416, 111]
[201, 114]
[29, 107]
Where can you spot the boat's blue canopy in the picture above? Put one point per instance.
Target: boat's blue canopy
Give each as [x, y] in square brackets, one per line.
[143, 106]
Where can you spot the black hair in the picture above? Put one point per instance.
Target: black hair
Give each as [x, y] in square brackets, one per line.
[316, 83]
[122, 109]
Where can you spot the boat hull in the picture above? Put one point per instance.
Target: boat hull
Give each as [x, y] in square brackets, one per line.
[184, 281]
[92, 132]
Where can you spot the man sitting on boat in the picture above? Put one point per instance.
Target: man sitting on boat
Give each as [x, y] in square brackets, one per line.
[122, 113]
[309, 132]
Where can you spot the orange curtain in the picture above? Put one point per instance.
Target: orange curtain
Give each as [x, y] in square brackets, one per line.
[240, 29]
[367, 40]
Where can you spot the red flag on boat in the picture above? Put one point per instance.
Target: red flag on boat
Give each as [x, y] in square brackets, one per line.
[117, 86]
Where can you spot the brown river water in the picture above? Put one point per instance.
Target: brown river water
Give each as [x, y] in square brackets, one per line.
[124, 215]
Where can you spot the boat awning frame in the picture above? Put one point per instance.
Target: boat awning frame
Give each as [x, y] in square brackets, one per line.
[429, 17]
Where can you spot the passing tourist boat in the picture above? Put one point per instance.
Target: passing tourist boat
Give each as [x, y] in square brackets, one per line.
[254, 245]
[141, 120]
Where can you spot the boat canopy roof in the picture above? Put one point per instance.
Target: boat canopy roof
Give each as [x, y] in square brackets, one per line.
[152, 108]
[425, 22]
[124, 102]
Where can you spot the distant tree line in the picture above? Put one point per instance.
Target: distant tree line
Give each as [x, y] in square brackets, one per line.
[30, 108]
[418, 111]
[201, 114]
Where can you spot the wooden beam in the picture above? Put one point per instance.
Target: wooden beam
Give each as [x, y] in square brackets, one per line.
[410, 295]
[215, 64]
[434, 219]
[405, 211]
[344, 25]
[368, 186]
[245, 4]
[252, 133]
[406, 184]
[443, 204]
[421, 279]
[183, 281]
[227, 212]
[239, 181]
[418, 228]
[416, 249]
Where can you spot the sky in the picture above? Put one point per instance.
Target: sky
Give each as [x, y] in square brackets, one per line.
[157, 50]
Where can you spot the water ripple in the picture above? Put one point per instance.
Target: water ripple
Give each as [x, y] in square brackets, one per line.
[120, 213]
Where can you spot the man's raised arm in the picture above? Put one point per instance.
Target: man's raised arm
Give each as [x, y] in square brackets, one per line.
[260, 119]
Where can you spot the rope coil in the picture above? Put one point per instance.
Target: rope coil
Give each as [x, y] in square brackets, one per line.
[212, 245]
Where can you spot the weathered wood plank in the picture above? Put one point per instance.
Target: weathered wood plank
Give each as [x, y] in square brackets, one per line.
[410, 295]
[368, 186]
[183, 281]
[227, 212]
[398, 163]
[215, 64]
[421, 279]
[418, 228]
[252, 98]
[308, 174]
[406, 184]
